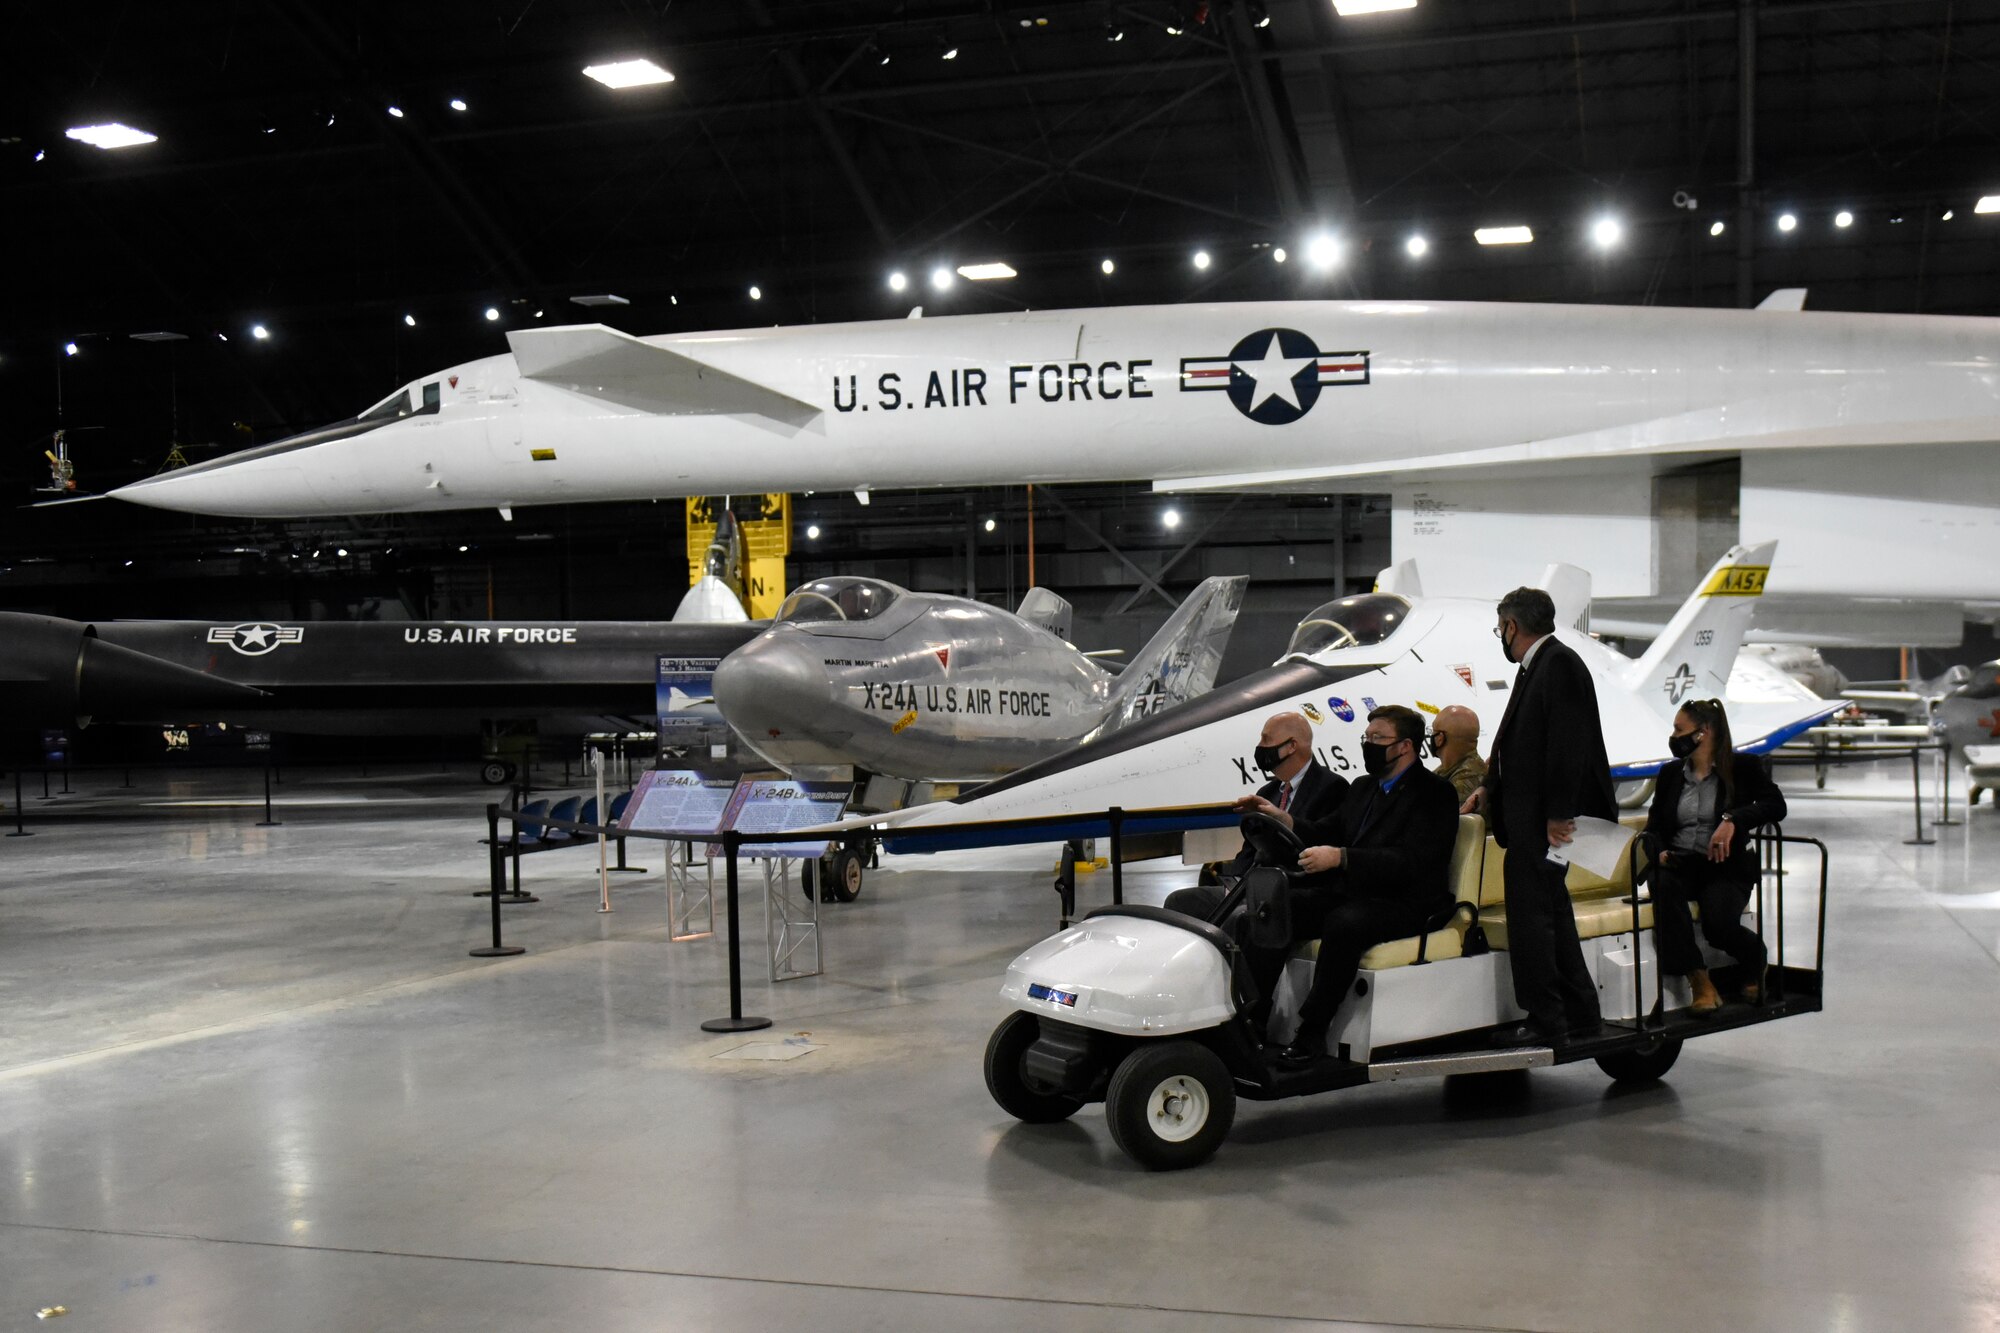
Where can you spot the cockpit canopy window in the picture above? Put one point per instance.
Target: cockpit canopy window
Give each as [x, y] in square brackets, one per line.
[397, 405]
[838, 599]
[1350, 622]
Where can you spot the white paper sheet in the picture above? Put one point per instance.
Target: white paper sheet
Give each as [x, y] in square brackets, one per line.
[1599, 847]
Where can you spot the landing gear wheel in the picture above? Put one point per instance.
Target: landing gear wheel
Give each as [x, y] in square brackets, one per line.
[1170, 1105]
[840, 875]
[1648, 1064]
[493, 772]
[1011, 1088]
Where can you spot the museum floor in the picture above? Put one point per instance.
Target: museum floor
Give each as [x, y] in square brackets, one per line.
[249, 1079]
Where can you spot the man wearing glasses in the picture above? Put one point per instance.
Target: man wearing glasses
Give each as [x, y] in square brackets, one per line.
[1547, 766]
[1378, 870]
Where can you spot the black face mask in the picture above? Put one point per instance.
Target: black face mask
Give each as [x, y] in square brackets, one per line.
[1268, 757]
[1507, 646]
[1375, 758]
[1437, 745]
[1683, 746]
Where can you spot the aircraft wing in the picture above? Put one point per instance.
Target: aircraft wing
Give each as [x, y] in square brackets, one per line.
[1911, 407]
[601, 362]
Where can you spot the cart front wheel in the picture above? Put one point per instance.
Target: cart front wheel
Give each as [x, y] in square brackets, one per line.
[1017, 1094]
[1170, 1104]
[1648, 1064]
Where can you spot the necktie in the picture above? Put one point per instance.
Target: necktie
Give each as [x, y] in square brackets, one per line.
[1285, 796]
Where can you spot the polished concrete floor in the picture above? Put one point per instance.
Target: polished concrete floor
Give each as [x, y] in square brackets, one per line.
[249, 1079]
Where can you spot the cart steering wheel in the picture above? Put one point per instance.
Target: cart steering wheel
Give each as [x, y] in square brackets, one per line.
[1272, 840]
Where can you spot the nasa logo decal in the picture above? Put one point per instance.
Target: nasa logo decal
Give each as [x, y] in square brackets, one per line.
[1341, 709]
[1274, 376]
[256, 638]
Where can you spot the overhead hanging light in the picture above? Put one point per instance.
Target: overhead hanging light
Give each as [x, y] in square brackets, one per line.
[113, 135]
[630, 73]
[1606, 232]
[898, 281]
[1201, 259]
[1787, 221]
[1106, 267]
[987, 272]
[1416, 247]
[1348, 9]
[1988, 203]
[1504, 235]
[1716, 228]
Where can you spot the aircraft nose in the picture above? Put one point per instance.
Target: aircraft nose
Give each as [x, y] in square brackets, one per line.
[774, 689]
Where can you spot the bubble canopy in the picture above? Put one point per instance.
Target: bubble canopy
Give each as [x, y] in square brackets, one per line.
[1349, 622]
[838, 599]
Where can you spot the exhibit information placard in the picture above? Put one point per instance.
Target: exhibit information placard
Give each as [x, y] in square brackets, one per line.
[679, 801]
[779, 805]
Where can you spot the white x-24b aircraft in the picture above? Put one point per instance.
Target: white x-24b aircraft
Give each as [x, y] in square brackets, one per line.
[1396, 646]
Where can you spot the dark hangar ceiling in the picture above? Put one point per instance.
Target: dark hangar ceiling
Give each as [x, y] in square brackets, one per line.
[811, 148]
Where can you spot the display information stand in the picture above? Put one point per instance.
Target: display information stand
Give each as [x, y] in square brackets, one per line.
[791, 917]
[687, 802]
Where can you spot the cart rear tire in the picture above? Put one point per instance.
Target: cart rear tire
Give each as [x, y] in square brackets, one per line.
[1648, 1064]
[1170, 1105]
[1017, 1095]
[493, 772]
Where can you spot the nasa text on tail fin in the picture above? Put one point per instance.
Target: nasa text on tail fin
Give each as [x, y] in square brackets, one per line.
[1694, 653]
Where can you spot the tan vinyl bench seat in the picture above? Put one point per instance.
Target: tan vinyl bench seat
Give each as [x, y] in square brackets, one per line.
[1600, 904]
[1448, 941]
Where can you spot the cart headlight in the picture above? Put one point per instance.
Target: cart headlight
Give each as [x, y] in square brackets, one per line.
[1037, 991]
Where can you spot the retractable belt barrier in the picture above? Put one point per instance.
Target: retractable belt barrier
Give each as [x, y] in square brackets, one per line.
[1115, 823]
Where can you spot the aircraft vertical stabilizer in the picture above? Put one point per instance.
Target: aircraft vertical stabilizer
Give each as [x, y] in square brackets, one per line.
[1569, 588]
[1044, 608]
[1183, 658]
[1693, 656]
[1401, 577]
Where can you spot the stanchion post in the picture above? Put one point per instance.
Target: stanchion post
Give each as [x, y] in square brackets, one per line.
[1917, 799]
[45, 783]
[267, 821]
[19, 831]
[1117, 856]
[65, 790]
[514, 850]
[497, 879]
[1944, 819]
[737, 1021]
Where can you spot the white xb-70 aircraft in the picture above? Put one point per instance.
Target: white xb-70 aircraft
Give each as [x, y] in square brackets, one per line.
[1287, 395]
[1397, 646]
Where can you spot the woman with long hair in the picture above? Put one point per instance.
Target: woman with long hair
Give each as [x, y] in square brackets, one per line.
[1707, 803]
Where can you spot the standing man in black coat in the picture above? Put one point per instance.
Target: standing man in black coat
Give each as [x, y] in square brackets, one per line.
[1299, 785]
[1378, 869]
[1546, 767]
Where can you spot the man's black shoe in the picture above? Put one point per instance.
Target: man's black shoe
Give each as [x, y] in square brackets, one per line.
[1298, 1056]
[1525, 1034]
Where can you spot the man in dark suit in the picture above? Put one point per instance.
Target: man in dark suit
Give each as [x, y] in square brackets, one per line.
[1546, 767]
[1299, 784]
[1377, 870]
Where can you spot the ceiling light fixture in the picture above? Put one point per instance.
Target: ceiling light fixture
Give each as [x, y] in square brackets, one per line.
[1787, 221]
[1201, 259]
[113, 135]
[1278, 255]
[396, 111]
[1843, 218]
[756, 293]
[634, 73]
[1947, 215]
[1716, 228]
[1416, 247]
[1107, 268]
[492, 312]
[1988, 203]
[1606, 232]
[70, 349]
[941, 278]
[1504, 235]
[898, 281]
[1348, 9]
[458, 104]
[987, 272]
[1171, 519]
[991, 525]
[812, 532]
[600, 298]
[950, 53]
[410, 321]
[259, 332]
[1323, 252]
